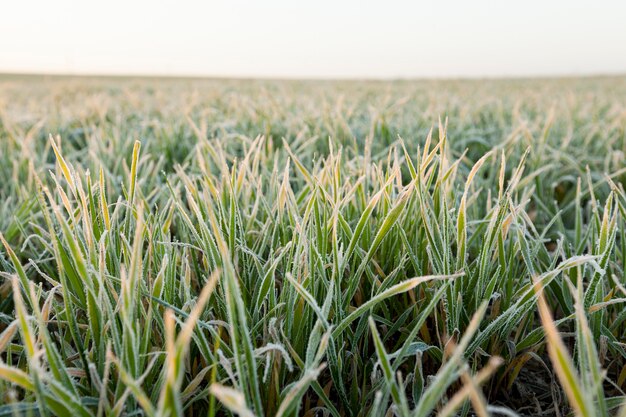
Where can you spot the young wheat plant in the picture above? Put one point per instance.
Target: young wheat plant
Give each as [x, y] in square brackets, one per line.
[257, 248]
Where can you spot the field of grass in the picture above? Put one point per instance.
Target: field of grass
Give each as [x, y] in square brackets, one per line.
[200, 247]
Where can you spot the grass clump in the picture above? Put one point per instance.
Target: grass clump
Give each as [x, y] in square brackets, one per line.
[198, 247]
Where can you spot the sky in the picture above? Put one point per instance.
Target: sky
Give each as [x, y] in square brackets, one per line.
[314, 39]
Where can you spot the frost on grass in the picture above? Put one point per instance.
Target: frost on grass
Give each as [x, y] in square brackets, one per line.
[312, 248]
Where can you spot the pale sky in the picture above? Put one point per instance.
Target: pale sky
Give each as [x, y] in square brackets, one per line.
[314, 39]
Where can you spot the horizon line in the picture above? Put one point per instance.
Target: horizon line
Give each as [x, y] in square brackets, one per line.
[191, 76]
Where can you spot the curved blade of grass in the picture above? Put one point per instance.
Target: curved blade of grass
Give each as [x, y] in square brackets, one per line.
[390, 292]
